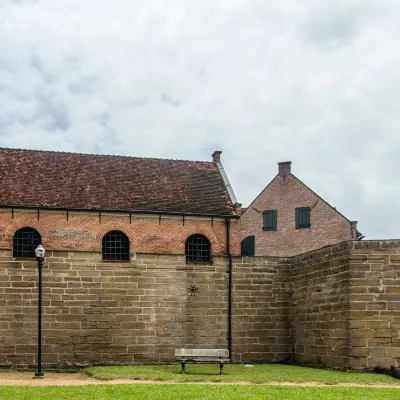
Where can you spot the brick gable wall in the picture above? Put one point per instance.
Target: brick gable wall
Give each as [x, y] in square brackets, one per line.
[285, 194]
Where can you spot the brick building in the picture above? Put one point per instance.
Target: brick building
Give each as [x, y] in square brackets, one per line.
[288, 218]
[74, 200]
[143, 257]
[129, 242]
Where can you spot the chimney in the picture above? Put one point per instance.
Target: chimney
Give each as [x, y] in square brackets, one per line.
[216, 156]
[284, 168]
[354, 230]
[237, 207]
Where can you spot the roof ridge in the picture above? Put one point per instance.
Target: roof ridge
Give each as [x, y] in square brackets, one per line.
[103, 155]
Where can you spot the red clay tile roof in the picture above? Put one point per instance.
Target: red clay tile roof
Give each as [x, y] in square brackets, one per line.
[102, 182]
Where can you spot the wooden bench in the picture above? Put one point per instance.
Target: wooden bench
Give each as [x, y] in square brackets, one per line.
[202, 356]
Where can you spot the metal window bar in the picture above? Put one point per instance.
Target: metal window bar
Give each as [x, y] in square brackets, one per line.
[197, 249]
[115, 246]
[25, 242]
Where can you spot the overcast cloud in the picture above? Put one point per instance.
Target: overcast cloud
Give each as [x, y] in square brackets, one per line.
[312, 81]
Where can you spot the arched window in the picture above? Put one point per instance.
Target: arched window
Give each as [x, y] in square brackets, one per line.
[115, 246]
[197, 249]
[25, 242]
[247, 246]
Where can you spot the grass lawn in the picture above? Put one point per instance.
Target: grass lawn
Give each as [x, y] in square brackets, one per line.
[238, 372]
[186, 391]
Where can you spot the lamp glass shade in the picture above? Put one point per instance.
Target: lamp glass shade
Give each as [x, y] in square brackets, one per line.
[39, 251]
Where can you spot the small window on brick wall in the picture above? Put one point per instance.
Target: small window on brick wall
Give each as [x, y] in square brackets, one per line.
[270, 222]
[115, 246]
[25, 242]
[303, 217]
[197, 249]
[248, 246]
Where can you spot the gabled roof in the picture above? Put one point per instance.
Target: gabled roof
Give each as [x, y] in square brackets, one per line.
[329, 205]
[287, 164]
[102, 182]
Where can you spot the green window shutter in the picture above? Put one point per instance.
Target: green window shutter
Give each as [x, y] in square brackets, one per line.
[297, 218]
[247, 246]
[302, 217]
[270, 218]
[274, 220]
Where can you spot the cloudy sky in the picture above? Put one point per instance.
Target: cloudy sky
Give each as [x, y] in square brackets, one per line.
[316, 82]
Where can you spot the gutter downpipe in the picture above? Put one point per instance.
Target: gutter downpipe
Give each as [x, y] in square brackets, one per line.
[228, 252]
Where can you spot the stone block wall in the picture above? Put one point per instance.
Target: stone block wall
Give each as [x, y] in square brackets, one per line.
[319, 309]
[338, 306]
[261, 289]
[345, 305]
[110, 312]
[105, 312]
[374, 304]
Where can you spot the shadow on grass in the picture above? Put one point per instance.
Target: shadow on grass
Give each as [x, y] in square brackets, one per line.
[188, 373]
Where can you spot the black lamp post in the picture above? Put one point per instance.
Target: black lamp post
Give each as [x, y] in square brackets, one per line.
[39, 252]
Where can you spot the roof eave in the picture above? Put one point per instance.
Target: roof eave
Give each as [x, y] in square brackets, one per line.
[132, 211]
[227, 184]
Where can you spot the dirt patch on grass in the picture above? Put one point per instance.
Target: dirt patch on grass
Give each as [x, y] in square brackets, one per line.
[81, 379]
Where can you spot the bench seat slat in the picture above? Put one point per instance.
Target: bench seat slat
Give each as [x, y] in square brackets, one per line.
[202, 353]
[204, 360]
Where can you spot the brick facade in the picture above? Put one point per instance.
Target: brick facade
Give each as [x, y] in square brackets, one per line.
[147, 233]
[284, 194]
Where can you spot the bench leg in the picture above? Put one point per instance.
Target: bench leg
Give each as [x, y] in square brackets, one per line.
[183, 367]
[221, 368]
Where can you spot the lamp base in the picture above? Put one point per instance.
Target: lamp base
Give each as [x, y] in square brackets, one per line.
[38, 375]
